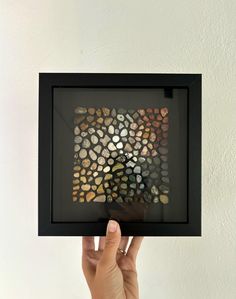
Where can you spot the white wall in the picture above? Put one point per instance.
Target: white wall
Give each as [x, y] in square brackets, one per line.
[117, 36]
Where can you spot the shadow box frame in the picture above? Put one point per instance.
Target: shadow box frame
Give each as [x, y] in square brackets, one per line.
[49, 81]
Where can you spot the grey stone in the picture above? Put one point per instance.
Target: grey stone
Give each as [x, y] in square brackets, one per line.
[94, 139]
[83, 153]
[80, 110]
[86, 143]
[163, 150]
[124, 132]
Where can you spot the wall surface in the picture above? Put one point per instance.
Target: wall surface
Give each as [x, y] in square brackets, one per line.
[117, 36]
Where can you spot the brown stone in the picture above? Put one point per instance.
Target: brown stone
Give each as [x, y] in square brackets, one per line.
[164, 199]
[164, 111]
[90, 195]
[91, 111]
[85, 187]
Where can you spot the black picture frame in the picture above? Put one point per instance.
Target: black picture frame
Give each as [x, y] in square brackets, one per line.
[48, 81]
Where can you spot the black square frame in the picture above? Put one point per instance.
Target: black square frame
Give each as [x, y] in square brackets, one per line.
[49, 81]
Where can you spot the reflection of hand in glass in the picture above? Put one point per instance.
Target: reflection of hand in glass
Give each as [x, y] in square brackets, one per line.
[110, 271]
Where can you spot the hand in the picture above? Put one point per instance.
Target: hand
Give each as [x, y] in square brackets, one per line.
[109, 273]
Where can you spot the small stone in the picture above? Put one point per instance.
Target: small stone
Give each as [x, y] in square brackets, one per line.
[106, 111]
[133, 186]
[124, 132]
[105, 153]
[138, 178]
[105, 140]
[91, 130]
[111, 130]
[98, 180]
[99, 112]
[164, 172]
[164, 111]
[137, 145]
[83, 171]
[129, 118]
[94, 187]
[145, 173]
[131, 140]
[124, 178]
[128, 170]
[80, 110]
[154, 175]
[86, 143]
[106, 169]
[97, 149]
[100, 133]
[113, 112]
[152, 137]
[101, 160]
[164, 127]
[132, 133]
[92, 155]
[94, 139]
[84, 134]
[110, 161]
[120, 117]
[100, 189]
[108, 121]
[91, 111]
[164, 165]
[78, 139]
[90, 195]
[139, 134]
[164, 189]
[115, 138]
[165, 180]
[76, 130]
[90, 118]
[85, 187]
[108, 176]
[119, 199]
[156, 199]
[111, 146]
[128, 147]
[164, 199]
[130, 164]
[164, 158]
[76, 148]
[95, 174]
[119, 145]
[100, 198]
[82, 153]
[144, 141]
[137, 169]
[141, 159]
[83, 126]
[141, 112]
[86, 163]
[100, 168]
[109, 198]
[154, 190]
[156, 124]
[114, 154]
[157, 161]
[123, 186]
[120, 173]
[94, 166]
[117, 167]
[144, 151]
[163, 150]
[76, 174]
[132, 178]
[133, 126]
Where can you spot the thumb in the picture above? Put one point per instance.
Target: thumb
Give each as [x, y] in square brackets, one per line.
[113, 237]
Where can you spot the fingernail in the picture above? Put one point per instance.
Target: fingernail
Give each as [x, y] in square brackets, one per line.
[112, 226]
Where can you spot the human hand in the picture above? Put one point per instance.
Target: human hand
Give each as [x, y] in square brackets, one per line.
[111, 274]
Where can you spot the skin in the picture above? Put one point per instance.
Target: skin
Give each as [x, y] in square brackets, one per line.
[109, 273]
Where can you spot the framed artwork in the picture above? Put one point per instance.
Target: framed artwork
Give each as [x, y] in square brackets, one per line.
[119, 146]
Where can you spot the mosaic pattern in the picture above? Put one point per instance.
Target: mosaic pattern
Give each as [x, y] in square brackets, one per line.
[120, 155]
